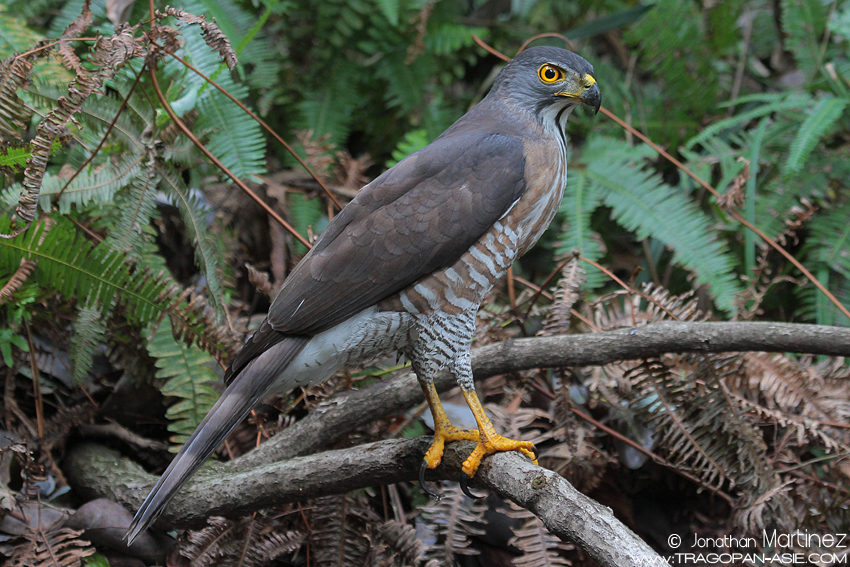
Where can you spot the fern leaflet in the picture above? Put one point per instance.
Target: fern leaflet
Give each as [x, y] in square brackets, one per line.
[823, 116]
[188, 372]
[643, 203]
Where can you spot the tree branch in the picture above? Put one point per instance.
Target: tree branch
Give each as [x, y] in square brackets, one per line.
[96, 471]
[356, 408]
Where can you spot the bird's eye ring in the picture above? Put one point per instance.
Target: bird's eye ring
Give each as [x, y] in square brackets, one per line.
[550, 74]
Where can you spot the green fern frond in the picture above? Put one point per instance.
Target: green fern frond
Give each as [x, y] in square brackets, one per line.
[188, 374]
[192, 211]
[236, 139]
[17, 37]
[101, 276]
[72, 266]
[823, 117]
[390, 9]
[95, 186]
[326, 111]
[791, 101]
[100, 111]
[14, 159]
[135, 210]
[306, 212]
[413, 141]
[643, 203]
[828, 250]
[89, 332]
[449, 38]
[830, 239]
[407, 82]
[580, 200]
[803, 23]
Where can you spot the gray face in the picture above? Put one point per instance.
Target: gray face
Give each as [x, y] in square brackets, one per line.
[541, 77]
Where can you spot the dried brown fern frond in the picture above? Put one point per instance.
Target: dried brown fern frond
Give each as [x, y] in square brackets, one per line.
[58, 428]
[812, 401]
[734, 195]
[318, 151]
[701, 431]
[454, 519]
[14, 115]
[250, 542]
[193, 321]
[540, 548]
[59, 548]
[405, 547]
[260, 280]
[655, 303]
[567, 293]
[212, 35]
[784, 384]
[575, 457]
[773, 505]
[527, 423]
[74, 30]
[803, 431]
[705, 432]
[108, 54]
[339, 531]
[209, 545]
[351, 171]
[17, 280]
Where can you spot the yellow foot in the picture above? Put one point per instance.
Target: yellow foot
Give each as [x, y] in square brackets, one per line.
[444, 434]
[495, 443]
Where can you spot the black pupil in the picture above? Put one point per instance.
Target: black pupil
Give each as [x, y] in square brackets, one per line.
[550, 73]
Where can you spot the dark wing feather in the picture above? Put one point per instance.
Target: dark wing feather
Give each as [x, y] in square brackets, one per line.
[419, 216]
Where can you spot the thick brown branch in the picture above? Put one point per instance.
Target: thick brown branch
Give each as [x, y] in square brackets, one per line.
[96, 471]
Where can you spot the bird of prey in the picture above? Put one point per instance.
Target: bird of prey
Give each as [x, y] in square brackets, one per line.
[406, 264]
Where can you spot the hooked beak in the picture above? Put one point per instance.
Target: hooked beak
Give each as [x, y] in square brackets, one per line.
[592, 98]
[588, 94]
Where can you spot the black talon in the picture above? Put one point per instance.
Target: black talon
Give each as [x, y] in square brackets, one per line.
[464, 480]
[425, 489]
[536, 452]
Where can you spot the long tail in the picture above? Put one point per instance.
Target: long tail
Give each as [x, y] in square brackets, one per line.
[243, 393]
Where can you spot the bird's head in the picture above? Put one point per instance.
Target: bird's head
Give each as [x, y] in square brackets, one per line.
[542, 78]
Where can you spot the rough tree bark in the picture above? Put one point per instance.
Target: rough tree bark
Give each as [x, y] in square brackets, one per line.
[276, 473]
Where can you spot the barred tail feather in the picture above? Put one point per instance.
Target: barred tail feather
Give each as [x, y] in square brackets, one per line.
[242, 394]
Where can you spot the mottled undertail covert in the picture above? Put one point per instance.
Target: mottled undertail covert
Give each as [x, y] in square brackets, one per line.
[405, 266]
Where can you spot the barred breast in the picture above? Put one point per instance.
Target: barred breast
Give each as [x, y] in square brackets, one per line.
[462, 286]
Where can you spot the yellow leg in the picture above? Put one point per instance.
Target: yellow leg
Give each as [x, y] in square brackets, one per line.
[443, 429]
[490, 441]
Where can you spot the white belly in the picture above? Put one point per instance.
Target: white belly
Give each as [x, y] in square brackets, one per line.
[360, 338]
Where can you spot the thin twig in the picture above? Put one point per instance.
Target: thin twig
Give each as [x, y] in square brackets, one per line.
[36, 384]
[264, 125]
[542, 35]
[179, 123]
[656, 458]
[489, 49]
[548, 279]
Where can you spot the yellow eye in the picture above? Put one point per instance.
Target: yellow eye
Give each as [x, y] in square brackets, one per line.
[550, 74]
